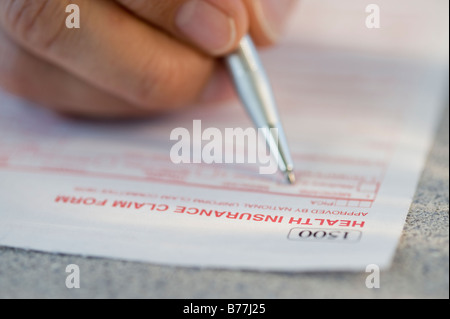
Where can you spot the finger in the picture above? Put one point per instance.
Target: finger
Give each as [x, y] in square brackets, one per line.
[112, 51]
[30, 77]
[268, 18]
[25, 75]
[215, 26]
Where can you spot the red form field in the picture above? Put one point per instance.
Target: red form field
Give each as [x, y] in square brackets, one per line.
[342, 134]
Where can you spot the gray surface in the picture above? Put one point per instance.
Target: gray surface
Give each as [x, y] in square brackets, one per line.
[420, 268]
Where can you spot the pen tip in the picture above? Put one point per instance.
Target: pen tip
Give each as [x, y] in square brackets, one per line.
[290, 177]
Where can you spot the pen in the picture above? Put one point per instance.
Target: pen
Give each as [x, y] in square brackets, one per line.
[254, 89]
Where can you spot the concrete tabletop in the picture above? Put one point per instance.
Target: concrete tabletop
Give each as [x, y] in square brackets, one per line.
[420, 268]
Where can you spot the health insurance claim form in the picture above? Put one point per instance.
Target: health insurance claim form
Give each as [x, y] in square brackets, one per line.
[359, 107]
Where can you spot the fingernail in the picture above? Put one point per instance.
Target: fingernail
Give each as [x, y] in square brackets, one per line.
[206, 26]
[272, 15]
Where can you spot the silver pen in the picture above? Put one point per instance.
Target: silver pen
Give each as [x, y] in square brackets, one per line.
[255, 92]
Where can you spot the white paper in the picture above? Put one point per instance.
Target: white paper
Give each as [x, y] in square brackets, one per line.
[359, 122]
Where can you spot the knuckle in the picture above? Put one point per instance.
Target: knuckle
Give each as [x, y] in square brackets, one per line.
[159, 86]
[37, 23]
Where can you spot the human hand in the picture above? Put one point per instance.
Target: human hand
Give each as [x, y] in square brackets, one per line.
[130, 57]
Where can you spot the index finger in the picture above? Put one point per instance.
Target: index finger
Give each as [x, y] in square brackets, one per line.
[214, 26]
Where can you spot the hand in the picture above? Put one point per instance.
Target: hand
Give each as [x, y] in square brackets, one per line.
[130, 57]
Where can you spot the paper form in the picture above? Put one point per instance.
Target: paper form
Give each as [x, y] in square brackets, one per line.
[359, 124]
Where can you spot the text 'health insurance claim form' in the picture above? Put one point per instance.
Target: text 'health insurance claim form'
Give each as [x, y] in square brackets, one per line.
[359, 107]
